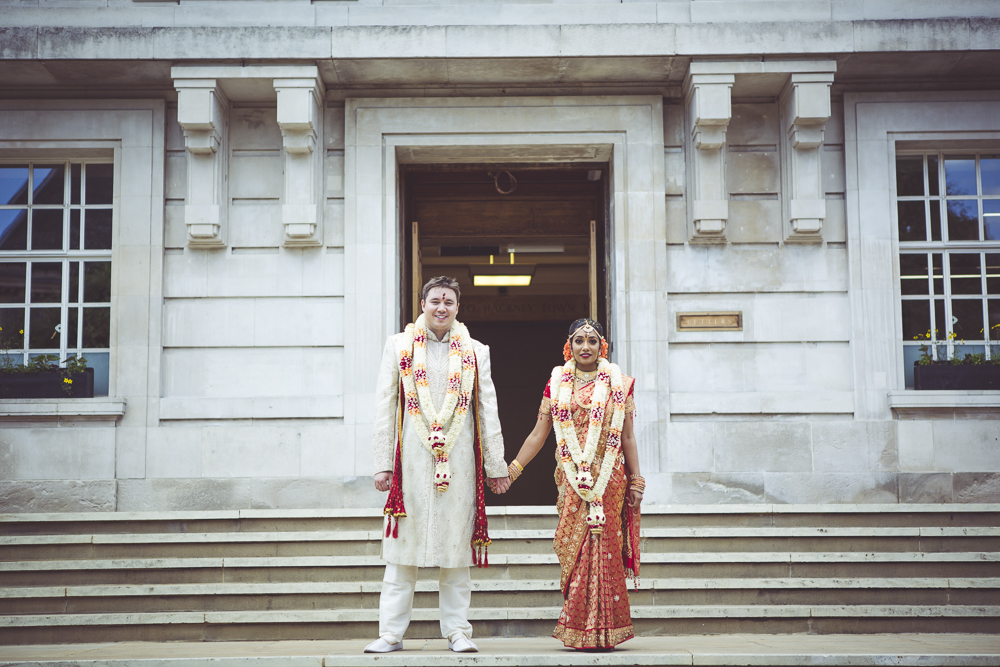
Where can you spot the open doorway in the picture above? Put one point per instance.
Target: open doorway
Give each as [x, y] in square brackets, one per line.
[536, 237]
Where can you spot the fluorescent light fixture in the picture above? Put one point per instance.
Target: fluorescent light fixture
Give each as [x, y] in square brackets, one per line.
[501, 281]
[535, 248]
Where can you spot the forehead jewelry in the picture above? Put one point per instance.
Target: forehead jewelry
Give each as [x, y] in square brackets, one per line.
[586, 329]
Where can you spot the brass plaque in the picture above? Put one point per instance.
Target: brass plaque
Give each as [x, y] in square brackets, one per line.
[732, 321]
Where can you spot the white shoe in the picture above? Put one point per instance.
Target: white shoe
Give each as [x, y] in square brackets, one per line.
[382, 646]
[463, 645]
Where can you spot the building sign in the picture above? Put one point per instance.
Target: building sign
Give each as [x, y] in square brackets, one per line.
[732, 321]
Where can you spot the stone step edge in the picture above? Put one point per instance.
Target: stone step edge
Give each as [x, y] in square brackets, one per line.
[502, 510]
[490, 586]
[500, 560]
[496, 535]
[501, 614]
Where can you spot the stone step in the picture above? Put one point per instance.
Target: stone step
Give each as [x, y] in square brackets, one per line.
[492, 594]
[363, 623]
[502, 518]
[504, 567]
[361, 543]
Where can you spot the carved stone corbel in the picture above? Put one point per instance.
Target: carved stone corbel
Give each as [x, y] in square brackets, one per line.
[203, 114]
[300, 113]
[805, 110]
[709, 109]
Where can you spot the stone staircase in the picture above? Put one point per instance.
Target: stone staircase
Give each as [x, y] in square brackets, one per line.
[316, 574]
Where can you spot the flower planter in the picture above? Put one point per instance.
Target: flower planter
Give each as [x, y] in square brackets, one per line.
[47, 384]
[948, 376]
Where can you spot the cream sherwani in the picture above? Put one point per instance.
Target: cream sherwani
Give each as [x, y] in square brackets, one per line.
[437, 528]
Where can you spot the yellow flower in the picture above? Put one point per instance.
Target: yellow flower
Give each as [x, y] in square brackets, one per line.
[67, 381]
[21, 331]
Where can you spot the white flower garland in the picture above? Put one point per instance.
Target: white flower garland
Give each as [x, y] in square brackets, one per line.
[428, 422]
[576, 463]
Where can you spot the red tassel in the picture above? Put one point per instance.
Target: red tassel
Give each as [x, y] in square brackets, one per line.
[395, 529]
[388, 526]
[486, 556]
[475, 557]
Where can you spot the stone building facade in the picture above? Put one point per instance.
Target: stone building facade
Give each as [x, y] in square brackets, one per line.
[213, 200]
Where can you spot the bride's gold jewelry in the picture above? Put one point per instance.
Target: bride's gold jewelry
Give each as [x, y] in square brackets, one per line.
[586, 376]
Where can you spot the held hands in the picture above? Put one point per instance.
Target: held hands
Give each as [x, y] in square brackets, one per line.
[383, 480]
[498, 485]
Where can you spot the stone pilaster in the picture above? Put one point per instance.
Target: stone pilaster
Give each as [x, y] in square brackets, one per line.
[203, 114]
[805, 109]
[709, 110]
[300, 113]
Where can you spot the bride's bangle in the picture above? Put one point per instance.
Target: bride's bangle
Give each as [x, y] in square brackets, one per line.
[514, 470]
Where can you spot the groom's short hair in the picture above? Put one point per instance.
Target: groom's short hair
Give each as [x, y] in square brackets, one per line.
[446, 283]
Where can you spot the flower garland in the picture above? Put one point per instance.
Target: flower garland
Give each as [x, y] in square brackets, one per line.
[576, 462]
[429, 423]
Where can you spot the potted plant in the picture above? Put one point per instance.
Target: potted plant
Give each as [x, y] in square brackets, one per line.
[42, 376]
[970, 371]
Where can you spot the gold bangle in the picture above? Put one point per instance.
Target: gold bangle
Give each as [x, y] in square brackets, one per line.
[513, 473]
[517, 464]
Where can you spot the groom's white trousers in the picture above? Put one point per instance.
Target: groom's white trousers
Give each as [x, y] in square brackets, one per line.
[396, 602]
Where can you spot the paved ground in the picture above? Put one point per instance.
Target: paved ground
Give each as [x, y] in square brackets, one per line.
[758, 650]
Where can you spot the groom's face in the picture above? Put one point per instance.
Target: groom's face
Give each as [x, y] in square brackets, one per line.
[441, 308]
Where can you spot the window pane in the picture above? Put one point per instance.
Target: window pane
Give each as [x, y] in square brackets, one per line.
[916, 319]
[46, 282]
[74, 283]
[963, 220]
[967, 315]
[48, 184]
[96, 327]
[44, 334]
[910, 355]
[938, 273]
[910, 176]
[97, 235]
[940, 328]
[989, 170]
[99, 183]
[12, 325]
[965, 273]
[74, 229]
[991, 219]
[14, 229]
[47, 229]
[99, 361]
[932, 175]
[994, 308]
[962, 350]
[74, 184]
[13, 184]
[912, 225]
[13, 280]
[935, 206]
[993, 273]
[960, 175]
[72, 333]
[913, 274]
[97, 282]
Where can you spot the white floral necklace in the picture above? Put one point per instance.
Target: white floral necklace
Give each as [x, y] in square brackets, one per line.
[576, 462]
[428, 422]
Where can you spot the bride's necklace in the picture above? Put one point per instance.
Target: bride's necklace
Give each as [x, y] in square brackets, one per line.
[584, 377]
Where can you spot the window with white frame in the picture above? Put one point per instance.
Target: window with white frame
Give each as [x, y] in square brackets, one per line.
[948, 213]
[55, 261]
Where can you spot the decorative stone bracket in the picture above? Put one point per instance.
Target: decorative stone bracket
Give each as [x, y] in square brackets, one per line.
[709, 109]
[300, 114]
[203, 114]
[805, 110]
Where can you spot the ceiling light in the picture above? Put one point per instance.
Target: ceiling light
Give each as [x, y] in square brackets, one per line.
[501, 281]
[535, 248]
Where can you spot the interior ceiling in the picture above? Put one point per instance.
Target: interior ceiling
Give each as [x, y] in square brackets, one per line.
[342, 76]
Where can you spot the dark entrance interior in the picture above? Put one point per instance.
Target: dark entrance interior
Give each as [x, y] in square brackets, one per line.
[506, 222]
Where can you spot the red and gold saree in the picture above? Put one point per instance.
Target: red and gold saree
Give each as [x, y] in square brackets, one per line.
[595, 611]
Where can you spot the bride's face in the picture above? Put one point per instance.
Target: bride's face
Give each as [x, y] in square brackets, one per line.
[586, 348]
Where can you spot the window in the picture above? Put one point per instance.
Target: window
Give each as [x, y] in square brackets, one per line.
[55, 261]
[948, 214]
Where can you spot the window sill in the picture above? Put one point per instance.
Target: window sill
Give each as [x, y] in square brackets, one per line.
[913, 404]
[62, 409]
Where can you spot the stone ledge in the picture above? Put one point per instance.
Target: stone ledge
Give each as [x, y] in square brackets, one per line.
[913, 404]
[62, 409]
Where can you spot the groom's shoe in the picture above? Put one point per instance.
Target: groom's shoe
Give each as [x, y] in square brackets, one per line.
[463, 644]
[380, 645]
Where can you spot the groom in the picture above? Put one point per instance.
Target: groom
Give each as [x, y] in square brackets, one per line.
[436, 431]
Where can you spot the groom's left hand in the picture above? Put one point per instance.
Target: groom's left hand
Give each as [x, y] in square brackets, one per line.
[499, 485]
